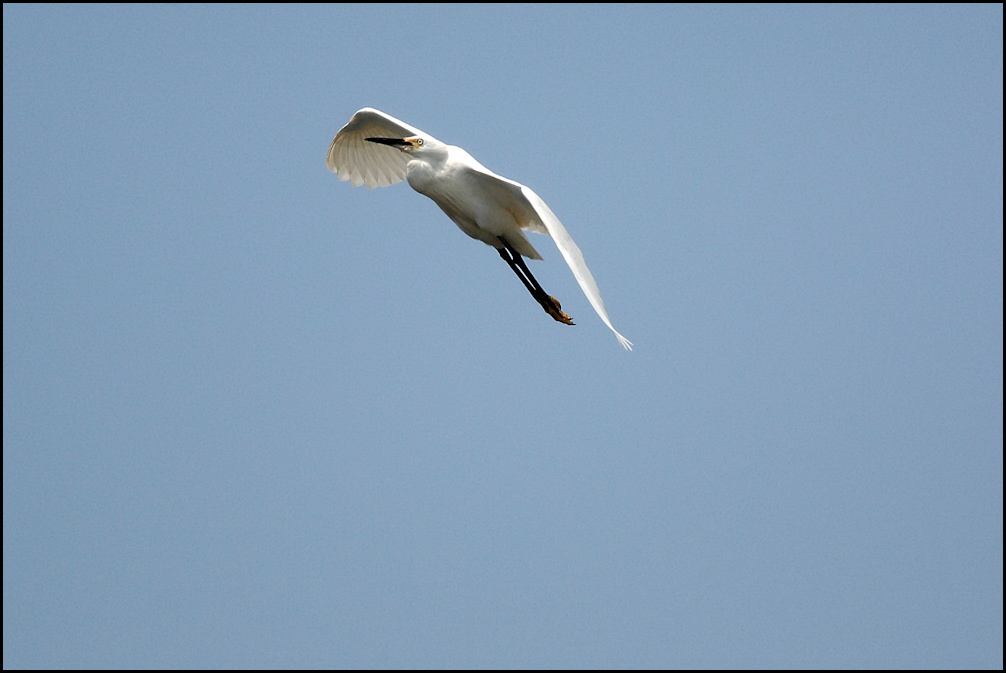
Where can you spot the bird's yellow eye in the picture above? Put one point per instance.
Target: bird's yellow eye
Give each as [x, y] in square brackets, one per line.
[420, 142]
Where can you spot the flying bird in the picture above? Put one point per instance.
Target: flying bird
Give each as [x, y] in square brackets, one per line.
[377, 150]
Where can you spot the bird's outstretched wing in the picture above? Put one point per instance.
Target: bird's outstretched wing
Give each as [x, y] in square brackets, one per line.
[574, 258]
[371, 164]
[534, 214]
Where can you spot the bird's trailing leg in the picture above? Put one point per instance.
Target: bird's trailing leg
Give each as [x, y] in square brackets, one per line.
[548, 302]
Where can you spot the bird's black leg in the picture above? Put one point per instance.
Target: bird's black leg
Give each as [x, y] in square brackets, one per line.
[508, 258]
[549, 303]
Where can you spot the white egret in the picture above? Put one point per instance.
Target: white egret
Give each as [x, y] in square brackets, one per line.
[377, 150]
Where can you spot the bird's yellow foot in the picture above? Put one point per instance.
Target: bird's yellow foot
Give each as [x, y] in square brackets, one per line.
[553, 309]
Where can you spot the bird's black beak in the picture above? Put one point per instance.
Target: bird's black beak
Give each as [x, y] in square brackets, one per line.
[393, 142]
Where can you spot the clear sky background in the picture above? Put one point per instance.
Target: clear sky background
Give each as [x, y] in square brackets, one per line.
[253, 416]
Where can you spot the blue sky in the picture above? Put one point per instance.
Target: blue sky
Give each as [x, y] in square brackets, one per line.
[256, 417]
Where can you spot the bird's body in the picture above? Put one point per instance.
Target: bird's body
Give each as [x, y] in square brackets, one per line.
[378, 150]
[480, 202]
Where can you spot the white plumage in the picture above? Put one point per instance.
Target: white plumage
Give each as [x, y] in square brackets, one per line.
[377, 150]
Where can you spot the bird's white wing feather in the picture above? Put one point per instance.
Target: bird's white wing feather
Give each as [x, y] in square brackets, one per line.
[534, 214]
[574, 258]
[370, 164]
